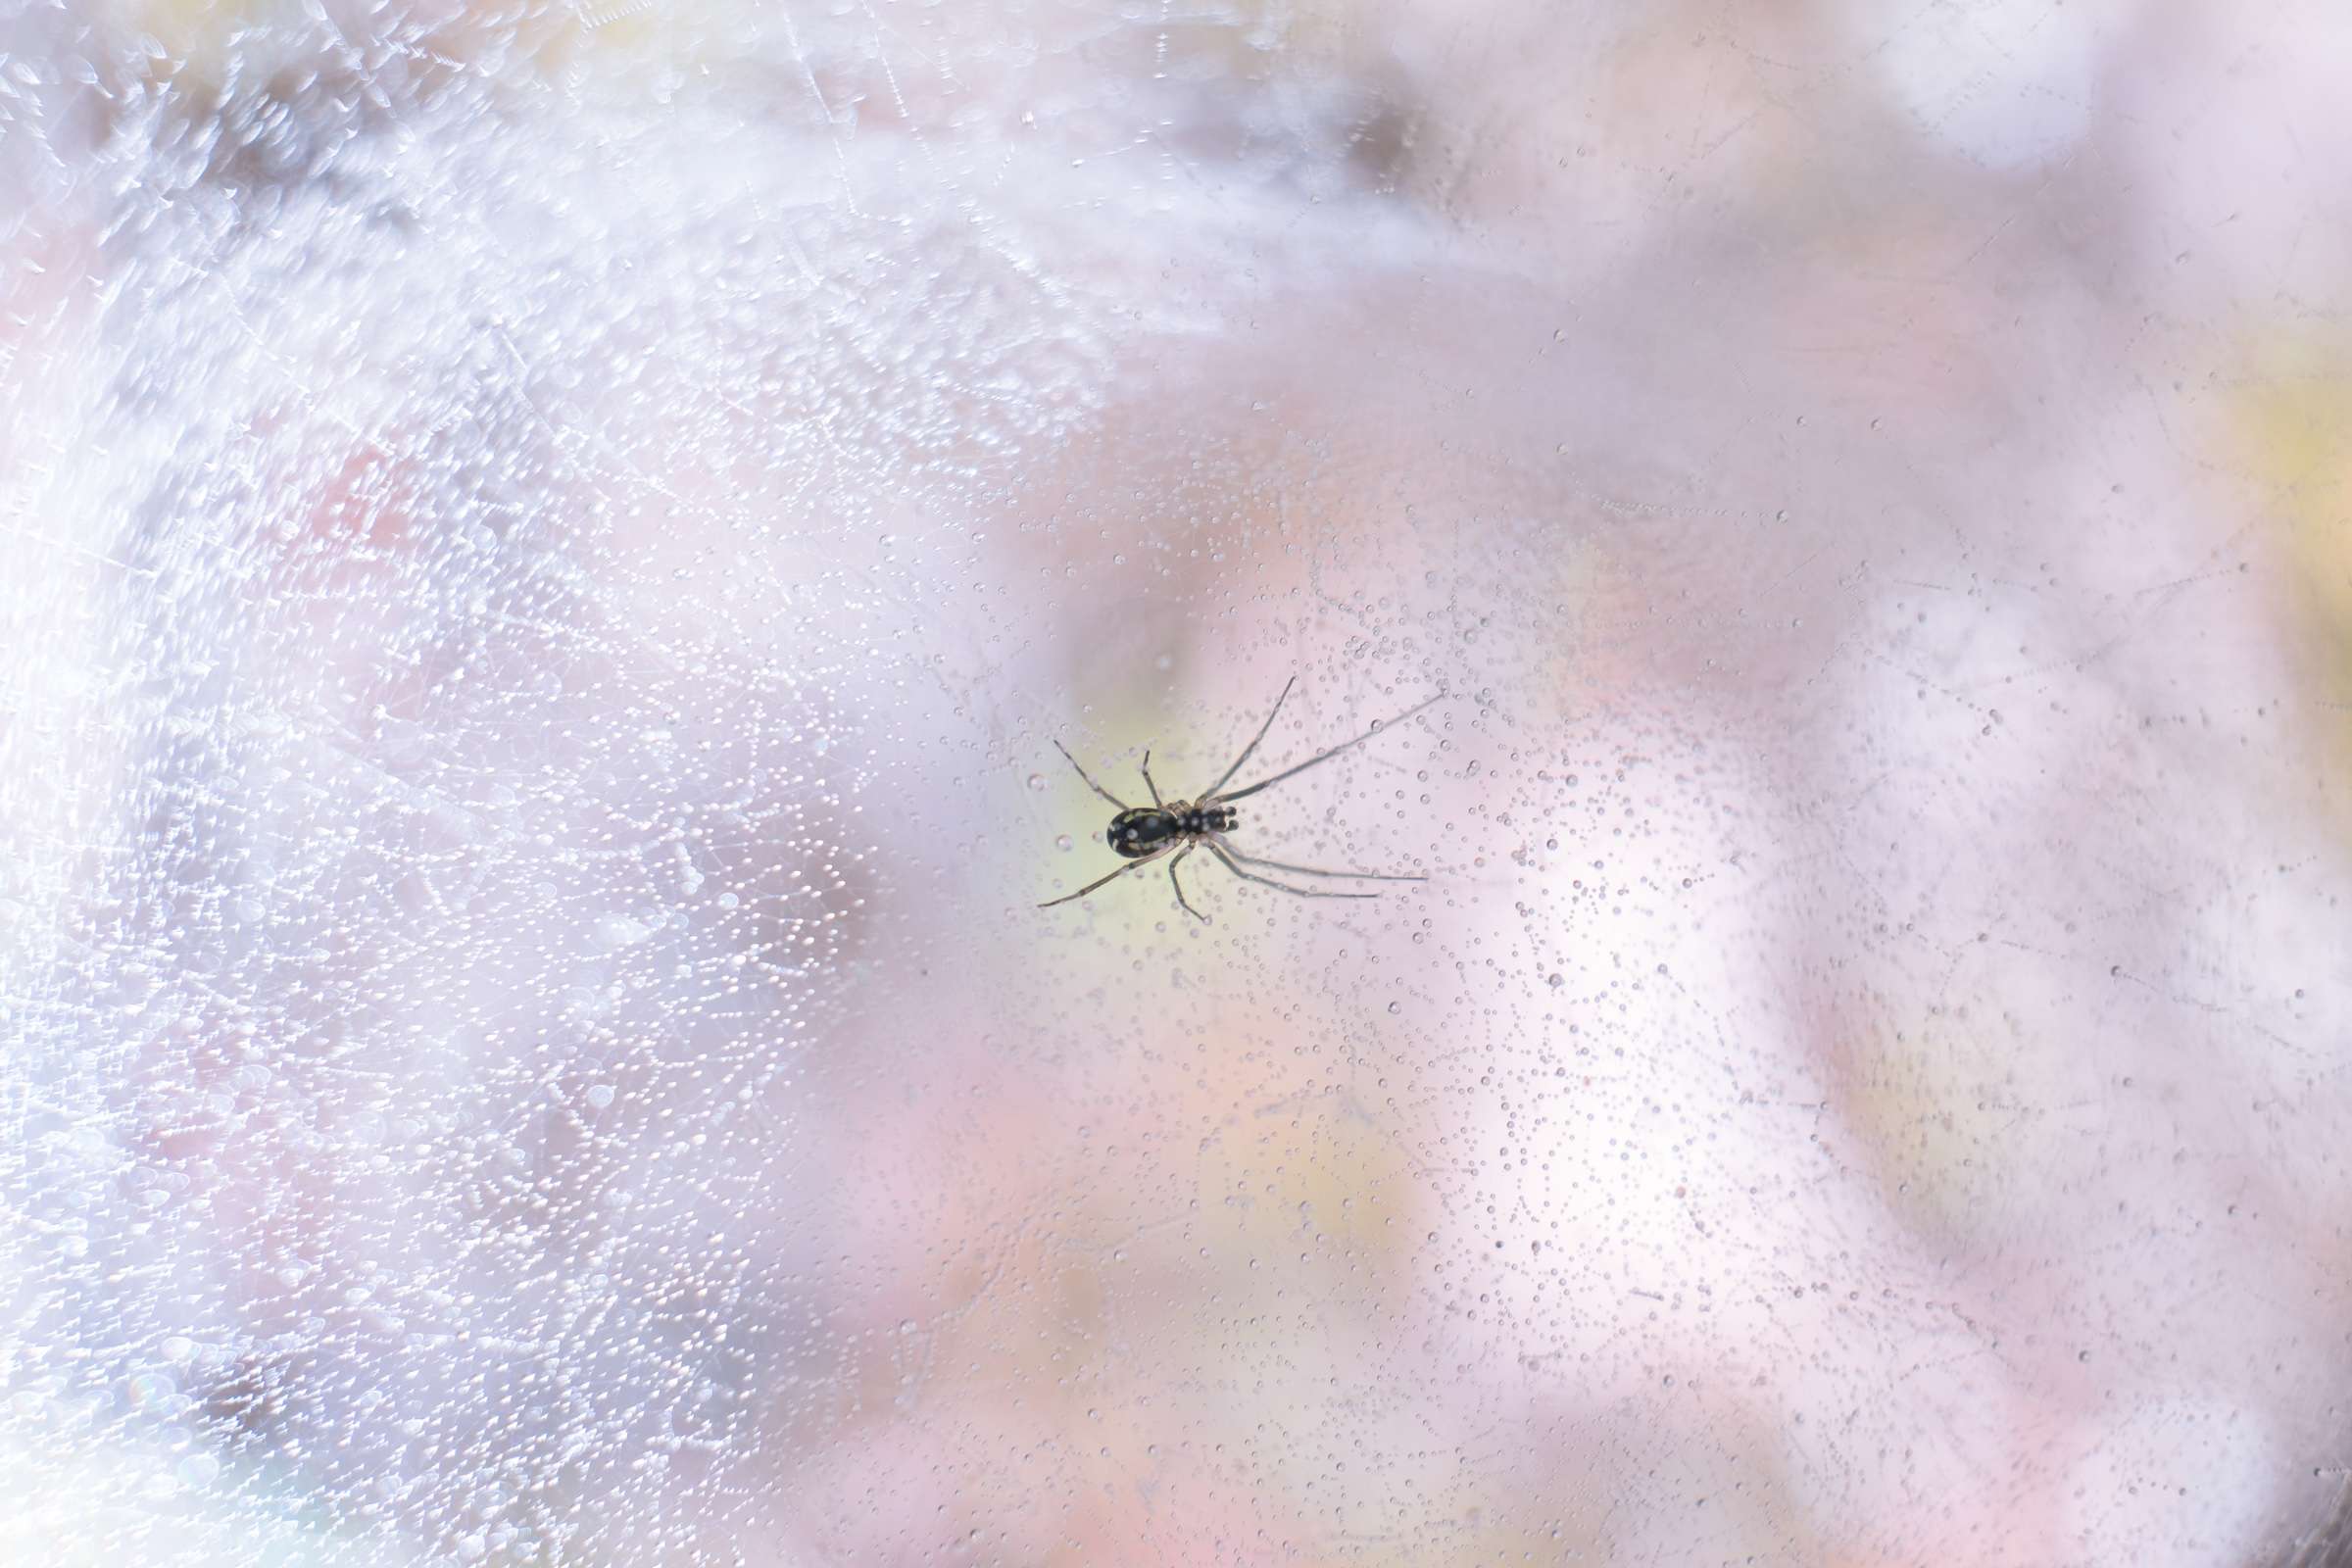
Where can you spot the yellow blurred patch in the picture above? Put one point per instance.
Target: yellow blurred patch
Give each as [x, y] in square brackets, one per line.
[1317, 1175]
[193, 35]
[631, 27]
[1935, 1109]
[2293, 425]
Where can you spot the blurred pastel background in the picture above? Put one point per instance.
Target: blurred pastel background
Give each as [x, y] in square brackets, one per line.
[544, 549]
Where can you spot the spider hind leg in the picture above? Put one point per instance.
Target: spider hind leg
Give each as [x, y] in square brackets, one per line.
[1090, 780]
[1131, 865]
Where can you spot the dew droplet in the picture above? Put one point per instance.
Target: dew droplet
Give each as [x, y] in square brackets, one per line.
[1061, 841]
[620, 931]
[1037, 781]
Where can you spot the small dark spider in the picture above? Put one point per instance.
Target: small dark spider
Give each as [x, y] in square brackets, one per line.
[1147, 833]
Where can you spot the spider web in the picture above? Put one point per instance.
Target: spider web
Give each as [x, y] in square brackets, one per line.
[550, 545]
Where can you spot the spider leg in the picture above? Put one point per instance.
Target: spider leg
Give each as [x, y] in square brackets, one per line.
[1232, 866]
[1253, 746]
[1131, 865]
[1320, 756]
[1090, 778]
[1172, 864]
[1147, 784]
[1308, 870]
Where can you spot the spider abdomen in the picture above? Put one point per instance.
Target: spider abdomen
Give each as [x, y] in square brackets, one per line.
[1143, 830]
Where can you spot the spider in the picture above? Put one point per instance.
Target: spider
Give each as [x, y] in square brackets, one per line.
[1148, 833]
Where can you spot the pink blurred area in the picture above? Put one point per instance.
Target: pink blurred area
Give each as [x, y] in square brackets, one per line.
[550, 553]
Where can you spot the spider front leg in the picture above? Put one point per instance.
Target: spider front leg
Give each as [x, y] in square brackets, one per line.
[1309, 870]
[1179, 886]
[1247, 750]
[1232, 866]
